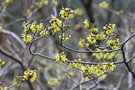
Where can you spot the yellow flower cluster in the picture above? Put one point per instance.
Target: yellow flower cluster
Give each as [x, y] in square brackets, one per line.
[113, 43]
[86, 23]
[60, 57]
[95, 69]
[75, 64]
[93, 33]
[44, 32]
[78, 11]
[64, 37]
[1, 62]
[41, 3]
[86, 78]
[100, 36]
[93, 36]
[55, 25]
[99, 69]
[104, 4]
[66, 13]
[103, 55]
[55, 21]
[69, 74]
[53, 81]
[119, 12]
[53, 29]
[111, 35]
[26, 37]
[92, 39]
[34, 27]
[82, 43]
[109, 28]
[67, 26]
[30, 75]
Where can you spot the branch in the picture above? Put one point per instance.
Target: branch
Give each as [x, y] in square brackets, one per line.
[18, 60]
[127, 65]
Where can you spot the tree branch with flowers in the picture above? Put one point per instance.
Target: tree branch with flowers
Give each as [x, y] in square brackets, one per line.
[57, 55]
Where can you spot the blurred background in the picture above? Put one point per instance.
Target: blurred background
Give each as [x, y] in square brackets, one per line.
[14, 12]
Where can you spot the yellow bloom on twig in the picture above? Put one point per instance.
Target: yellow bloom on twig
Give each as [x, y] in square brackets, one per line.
[26, 37]
[60, 57]
[86, 23]
[64, 37]
[104, 4]
[30, 75]
[66, 13]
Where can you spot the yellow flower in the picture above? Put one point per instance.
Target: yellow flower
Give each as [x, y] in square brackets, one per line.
[29, 12]
[91, 39]
[65, 37]
[69, 74]
[111, 35]
[66, 13]
[26, 26]
[82, 43]
[98, 55]
[45, 2]
[100, 36]
[111, 86]
[55, 21]
[60, 57]
[26, 37]
[39, 26]
[109, 55]
[1, 62]
[44, 32]
[113, 43]
[99, 69]
[53, 81]
[67, 26]
[86, 23]
[39, 4]
[76, 65]
[92, 30]
[119, 12]
[55, 3]
[53, 29]
[78, 11]
[104, 4]
[35, 26]
[30, 75]
[109, 28]
[86, 78]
